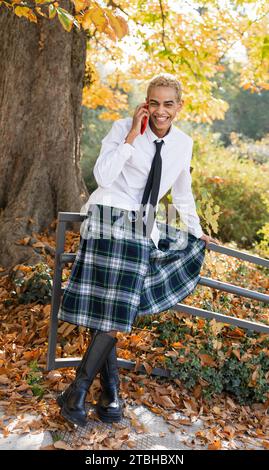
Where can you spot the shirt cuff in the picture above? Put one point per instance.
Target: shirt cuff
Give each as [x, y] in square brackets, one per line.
[125, 150]
[197, 232]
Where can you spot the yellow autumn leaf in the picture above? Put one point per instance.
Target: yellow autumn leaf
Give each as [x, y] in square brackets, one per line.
[118, 24]
[216, 327]
[177, 345]
[110, 33]
[217, 344]
[215, 445]
[23, 268]
[81, 4]
[65, 19]
[109, 116]
[62, 445]
[101, 95]
[236, 353]
[200, 323]
[134, 339]
[52, 11]
[171, 354]
[26, 12]
[95, 15]
[124, 25]
[87, 20]
[165, 401]
[119, 78]
[255, 376]
[38, 245]
[265, 444]
[207, 360]
[264, 85]
[125, 354]
[31, 355]
[155, 410]
[40, 12]
[197, 391]
[4, 380]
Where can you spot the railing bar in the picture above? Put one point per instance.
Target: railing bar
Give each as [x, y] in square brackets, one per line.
[239, 254]
[71, 216]
[249, 325]
[231, 288]
[74, 362]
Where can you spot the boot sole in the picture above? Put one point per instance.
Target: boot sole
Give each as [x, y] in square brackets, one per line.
[109, 417]
[72, 419]
[102, 415]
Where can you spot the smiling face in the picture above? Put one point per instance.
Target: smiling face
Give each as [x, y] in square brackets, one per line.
[163, 108]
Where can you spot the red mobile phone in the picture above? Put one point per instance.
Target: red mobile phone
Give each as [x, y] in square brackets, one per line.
[144, 122]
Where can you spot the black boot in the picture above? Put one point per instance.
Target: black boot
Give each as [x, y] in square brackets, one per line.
[62, 397]
[73, 399]
[109, 408]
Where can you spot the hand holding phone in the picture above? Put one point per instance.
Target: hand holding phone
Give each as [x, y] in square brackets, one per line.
[144, 122]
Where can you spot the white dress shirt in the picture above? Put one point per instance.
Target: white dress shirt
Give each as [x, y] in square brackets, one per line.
[121, 172]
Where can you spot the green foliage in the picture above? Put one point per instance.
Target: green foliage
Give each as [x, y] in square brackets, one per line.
[247, 113]
[34, 379]
[170, 332]
[144, 321]
[263, 246]
[93, 131]
[225, 372]
[237, 187]
[236, 378]
[33, 283]
[232, 377]
[208, 211]
[56, 437]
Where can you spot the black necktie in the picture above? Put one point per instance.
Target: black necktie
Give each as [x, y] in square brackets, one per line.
[153, 186]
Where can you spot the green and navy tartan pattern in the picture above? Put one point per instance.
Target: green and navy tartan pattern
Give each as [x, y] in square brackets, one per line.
[117, 276]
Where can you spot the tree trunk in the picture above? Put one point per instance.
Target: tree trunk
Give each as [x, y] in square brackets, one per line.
[41, 79]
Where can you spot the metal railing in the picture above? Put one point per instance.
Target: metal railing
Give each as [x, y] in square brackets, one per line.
[62, 258]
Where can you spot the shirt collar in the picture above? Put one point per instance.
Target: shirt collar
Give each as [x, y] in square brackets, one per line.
[167, 138]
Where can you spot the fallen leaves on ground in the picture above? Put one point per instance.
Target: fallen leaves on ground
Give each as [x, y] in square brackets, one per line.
[23, 342]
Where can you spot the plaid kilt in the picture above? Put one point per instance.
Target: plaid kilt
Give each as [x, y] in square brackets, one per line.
[119, 273]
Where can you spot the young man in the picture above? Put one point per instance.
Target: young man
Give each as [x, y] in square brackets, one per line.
[137, 268]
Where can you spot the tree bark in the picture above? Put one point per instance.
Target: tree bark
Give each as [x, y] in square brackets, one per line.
[41, 79]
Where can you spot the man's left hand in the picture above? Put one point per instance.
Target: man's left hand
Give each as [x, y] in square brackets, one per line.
[209, 239]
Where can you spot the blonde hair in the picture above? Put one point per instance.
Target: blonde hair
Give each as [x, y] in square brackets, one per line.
[168, 80]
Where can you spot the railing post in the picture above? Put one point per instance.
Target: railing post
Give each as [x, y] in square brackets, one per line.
[56, 293]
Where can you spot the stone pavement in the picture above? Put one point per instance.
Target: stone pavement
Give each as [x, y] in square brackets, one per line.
[27, 441]
[155, 434]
